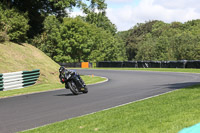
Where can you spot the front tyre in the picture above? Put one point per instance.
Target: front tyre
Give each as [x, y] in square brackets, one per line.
[85, 89]
[73, 88]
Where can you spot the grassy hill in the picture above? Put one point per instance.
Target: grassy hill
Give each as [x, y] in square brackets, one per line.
[25, 57]
[15, 57]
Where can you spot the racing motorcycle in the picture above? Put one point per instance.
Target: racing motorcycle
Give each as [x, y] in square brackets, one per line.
[72, 81]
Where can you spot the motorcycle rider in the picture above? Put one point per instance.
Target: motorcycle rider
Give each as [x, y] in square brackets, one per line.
[63, 74]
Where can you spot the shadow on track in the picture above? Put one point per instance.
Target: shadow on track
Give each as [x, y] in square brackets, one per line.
[181, 85]
[70, 94]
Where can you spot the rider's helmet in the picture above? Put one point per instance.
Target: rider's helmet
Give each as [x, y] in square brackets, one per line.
[62, 69]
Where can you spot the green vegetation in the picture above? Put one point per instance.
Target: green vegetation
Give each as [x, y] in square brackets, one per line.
[184, 70]
[48, 26]
[75, 40]
[13, 25]
[38, 10]
[168, 113]
[64, 39]
[159, 41]
[23, 57]
[91, 79]
[100, 20]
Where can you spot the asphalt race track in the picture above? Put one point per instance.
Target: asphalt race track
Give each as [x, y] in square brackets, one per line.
[29, 111]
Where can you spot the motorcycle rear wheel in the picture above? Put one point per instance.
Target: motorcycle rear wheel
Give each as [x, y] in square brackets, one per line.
[73, 88]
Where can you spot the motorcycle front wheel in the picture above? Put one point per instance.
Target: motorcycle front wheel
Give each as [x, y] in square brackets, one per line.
[73, 88]
[85, 89]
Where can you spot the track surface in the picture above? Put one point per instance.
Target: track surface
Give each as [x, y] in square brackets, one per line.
[30, 111]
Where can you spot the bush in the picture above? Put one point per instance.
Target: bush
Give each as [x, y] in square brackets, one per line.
[13, 25]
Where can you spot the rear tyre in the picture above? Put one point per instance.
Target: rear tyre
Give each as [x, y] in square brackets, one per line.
[73, 88]
[66, 86]
[85, 87]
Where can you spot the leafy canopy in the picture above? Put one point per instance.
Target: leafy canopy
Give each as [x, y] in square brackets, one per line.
[75, 40]
[38, 10]
[13, 25]
[156, 40]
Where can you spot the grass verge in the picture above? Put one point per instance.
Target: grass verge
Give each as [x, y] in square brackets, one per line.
[185, 70]
[47, 87]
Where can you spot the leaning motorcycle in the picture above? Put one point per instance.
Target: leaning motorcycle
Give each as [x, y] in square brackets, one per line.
[72, 81]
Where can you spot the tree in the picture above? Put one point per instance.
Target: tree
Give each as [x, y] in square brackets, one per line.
[75, 40]
[107, 47]
[100, 20]
[86, 42]
[146, 50]
[13, 24]
[157, 40]
[51, 35]
[38, 10]
[137, 35]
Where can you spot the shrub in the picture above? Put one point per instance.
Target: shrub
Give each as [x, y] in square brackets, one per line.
[13, 25]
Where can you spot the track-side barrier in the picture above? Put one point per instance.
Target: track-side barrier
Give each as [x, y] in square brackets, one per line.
[151, 64]
[17, 80]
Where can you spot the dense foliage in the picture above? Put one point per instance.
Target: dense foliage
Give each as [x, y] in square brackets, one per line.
[75, 40]
[38, 10]
[64, 39]
[100, 20]
[13, 25]
[156, 40]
